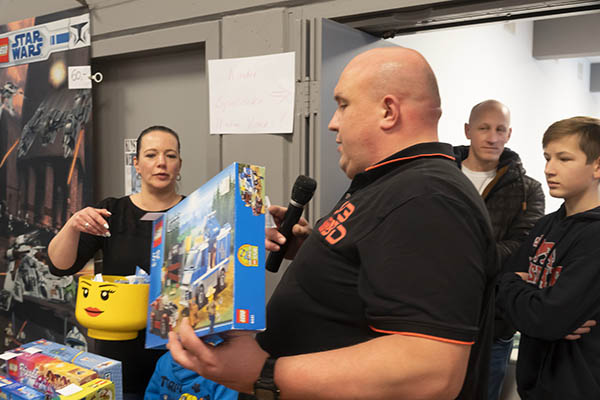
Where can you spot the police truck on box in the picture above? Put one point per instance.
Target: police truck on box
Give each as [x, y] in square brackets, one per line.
[207, 258]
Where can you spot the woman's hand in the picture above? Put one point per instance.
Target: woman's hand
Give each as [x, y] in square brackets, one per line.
[91, 220]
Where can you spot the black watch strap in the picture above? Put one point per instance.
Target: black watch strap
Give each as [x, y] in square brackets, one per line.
[264, 387]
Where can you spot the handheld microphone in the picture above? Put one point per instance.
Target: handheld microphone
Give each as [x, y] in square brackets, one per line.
[302, 192]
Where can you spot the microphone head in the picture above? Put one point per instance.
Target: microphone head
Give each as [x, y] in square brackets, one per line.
[303, 189]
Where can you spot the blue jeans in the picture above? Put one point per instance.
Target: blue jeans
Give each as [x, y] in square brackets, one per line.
[501, 349]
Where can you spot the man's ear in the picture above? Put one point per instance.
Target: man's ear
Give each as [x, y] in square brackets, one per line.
[596, 165]
[467, 131]
[390, 112]
[509, 133]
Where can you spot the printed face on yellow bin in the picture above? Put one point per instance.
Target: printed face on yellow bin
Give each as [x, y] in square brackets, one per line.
[97, 300]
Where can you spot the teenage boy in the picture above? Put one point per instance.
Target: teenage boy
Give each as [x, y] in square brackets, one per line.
[561, 289]
[514, 201]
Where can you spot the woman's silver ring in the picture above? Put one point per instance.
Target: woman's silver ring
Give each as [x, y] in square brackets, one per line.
[87, 224]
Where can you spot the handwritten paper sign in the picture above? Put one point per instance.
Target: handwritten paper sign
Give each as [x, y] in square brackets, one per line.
[79, 77]
[252, 94]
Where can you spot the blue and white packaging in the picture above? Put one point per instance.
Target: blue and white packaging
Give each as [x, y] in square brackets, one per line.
[207, 258]
[17, 391]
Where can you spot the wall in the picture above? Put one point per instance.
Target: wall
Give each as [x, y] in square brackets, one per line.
[151, 89]
[112, 18]
[495, 61]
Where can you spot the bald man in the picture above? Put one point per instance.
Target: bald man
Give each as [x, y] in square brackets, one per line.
[389, 296]
[514, 201]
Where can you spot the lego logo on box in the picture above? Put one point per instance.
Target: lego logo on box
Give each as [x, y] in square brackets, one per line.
[242, 316]
[248, 255]
[4, 50]
[158, 234]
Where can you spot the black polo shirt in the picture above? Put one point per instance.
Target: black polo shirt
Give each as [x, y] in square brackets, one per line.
[407, 250]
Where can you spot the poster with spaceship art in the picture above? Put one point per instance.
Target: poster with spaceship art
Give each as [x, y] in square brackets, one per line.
[45, 170]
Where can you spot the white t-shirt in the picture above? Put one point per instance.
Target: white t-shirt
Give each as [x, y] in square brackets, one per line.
[480, 179]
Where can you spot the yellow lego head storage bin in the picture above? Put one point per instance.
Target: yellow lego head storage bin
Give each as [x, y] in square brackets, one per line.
[111, 310]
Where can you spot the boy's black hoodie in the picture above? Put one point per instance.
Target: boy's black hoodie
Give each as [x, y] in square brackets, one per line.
[562, 257]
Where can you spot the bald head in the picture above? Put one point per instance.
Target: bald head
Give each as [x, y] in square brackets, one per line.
[486, 106]
[488, 130]
[401, 72]
[387, 100]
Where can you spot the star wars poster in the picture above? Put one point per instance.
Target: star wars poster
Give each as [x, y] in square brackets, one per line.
[45, 169]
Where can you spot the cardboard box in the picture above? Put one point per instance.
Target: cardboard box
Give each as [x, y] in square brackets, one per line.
[17, 391]
[106, 368]
[47, 374]
[208, 255]
[28, 369]
[98, 389]
[11, 390]
[4, 381]
[63, 373]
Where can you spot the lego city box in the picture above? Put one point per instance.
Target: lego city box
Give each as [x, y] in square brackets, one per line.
[207, 258]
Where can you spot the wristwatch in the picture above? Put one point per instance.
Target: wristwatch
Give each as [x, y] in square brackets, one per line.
[264, 387]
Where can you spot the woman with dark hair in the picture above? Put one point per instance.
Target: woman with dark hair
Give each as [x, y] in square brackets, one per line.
[114, 226]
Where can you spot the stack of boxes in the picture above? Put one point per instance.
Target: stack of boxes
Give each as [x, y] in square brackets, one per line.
[46, 374]
[48, 370]
[106, 368]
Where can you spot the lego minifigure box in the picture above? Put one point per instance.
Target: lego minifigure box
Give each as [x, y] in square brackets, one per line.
[207, 258]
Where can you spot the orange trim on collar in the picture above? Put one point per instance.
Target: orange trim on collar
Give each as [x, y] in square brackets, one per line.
[411, 157]
[439, 339]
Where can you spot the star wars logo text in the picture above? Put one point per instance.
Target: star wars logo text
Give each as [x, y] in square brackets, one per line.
[332, 228]
[27, 45]
[37, 43]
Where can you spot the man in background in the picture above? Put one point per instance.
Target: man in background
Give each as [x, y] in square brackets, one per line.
[514, 201]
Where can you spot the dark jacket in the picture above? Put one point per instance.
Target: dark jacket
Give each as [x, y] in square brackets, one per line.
[562, 258]
[515, 202]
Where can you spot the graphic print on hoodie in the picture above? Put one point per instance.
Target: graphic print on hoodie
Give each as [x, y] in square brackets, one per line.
[171, 381]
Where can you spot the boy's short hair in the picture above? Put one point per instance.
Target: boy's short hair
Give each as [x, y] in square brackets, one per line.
[587, 128]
